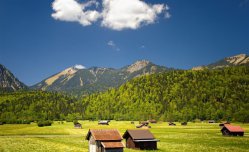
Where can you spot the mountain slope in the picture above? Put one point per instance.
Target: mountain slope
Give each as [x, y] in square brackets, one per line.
[237, 60]
[182, 95]
[8, 82]
[83, 81]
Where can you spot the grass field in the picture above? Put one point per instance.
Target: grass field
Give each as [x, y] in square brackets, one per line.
[63, 137]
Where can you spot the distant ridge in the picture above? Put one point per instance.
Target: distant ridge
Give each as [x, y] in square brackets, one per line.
[83, 81]
[237, 60]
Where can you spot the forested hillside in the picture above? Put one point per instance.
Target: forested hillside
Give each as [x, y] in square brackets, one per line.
[221, 94]
[36, 105]
[177, 96]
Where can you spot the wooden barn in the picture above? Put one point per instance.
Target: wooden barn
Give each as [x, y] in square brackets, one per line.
[230, 130]
[101, 140]
[140, 139]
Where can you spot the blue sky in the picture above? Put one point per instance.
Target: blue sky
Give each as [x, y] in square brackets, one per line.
[181, 34]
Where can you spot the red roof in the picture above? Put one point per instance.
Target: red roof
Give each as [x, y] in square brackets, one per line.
[112, 145]
[139, 134]
[104, 134]
[232, 128]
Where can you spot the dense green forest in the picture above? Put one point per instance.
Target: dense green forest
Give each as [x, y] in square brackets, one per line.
[221, 94]
[37, 105]
[180, 95]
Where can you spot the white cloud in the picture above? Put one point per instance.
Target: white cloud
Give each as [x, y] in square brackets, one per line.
[113, 45]
[73, 11]
[142, 46]
[115, 14]
[167, 15]
[129, 14]
[78, 66]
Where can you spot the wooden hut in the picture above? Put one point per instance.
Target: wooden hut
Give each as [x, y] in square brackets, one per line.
[146, 123]
[101, 140]
[172, 124]
[103, 122]
[230, 130]
[78, 126]
[211, 121]
[140, 139]
[184, 123]
[143, 124]
[224, 123]
[152, 121]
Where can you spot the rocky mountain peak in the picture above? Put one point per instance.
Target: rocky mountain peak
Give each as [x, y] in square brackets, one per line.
[138, 65]
[238, 59]
[8, 81]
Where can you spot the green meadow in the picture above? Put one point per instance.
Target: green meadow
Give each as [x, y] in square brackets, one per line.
[63, 137]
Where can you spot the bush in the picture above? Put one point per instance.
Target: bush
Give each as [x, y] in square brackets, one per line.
[44, 123]
[75, 122]
[26, 122]
[197, 120]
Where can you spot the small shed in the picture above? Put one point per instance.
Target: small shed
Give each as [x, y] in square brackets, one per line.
[146, 123]
[140, 139]
[78, 126]
[143, 126]
[103, 122]
[184, 123]
[102, 140]
[211, 121]
[224, 123]
[152, 121]
[172, 124]
[230, 130]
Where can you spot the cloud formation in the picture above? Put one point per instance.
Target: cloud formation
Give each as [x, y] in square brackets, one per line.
[78, 66]
[115, 14]
[113, 45]
[131, 14]
[73, 11]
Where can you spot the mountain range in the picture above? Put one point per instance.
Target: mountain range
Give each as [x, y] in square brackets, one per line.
[79, 80]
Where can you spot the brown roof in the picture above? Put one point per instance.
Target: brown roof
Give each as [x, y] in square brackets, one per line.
[112, 144]
[104, 134]
[233, 128]
[139, 134]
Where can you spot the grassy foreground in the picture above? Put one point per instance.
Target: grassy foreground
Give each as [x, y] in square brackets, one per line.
[63, 137]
